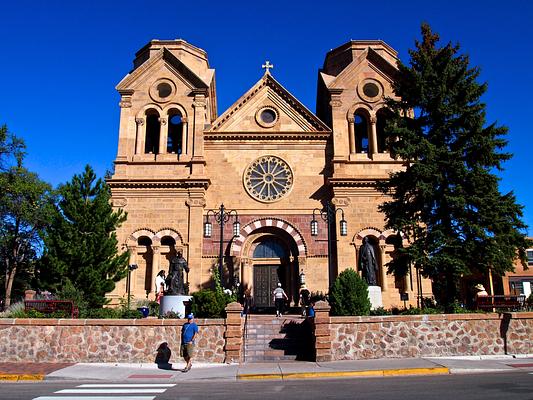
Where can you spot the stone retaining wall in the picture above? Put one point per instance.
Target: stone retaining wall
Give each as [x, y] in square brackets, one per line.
[430, 335]
[220, 340]
[128, 341]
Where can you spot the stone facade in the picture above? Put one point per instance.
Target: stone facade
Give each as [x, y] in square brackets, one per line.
[268, 158]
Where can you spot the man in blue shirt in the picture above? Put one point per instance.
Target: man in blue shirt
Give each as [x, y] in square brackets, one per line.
[188, 333]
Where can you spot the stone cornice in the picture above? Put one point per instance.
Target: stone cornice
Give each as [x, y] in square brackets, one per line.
[163, 184]
[354, 182]
[266, 136]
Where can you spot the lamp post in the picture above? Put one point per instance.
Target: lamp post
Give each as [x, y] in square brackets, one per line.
[328, 214]
[131, 267]
[221, 216]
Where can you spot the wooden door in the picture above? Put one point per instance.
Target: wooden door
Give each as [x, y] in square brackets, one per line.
[265, 281]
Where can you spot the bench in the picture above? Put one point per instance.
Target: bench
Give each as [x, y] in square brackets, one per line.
[509, 302]
[52, 306]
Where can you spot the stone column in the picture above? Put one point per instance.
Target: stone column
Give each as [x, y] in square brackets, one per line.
[200, 105]
[382, 269]
[351, 133]
[126, 138]
[141, 135]
[322, 332]
[196, 204]
[373, 136]
[163, 135]
[233, 334]
[156, 262]
[184, 141]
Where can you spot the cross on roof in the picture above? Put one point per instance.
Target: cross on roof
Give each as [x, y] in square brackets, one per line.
[266, 66]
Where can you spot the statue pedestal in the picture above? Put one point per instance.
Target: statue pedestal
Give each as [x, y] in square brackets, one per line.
[174, 303]
[374, 294]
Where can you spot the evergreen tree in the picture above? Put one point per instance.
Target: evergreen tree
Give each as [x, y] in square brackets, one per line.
[446, 200]
[81, 243]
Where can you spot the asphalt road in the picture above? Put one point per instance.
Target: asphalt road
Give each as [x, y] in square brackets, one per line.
[500, 386]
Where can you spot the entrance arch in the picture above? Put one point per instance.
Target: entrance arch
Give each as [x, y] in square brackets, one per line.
[269, 254]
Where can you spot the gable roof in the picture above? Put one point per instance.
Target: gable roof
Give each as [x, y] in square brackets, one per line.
[373, 57]
[180, 68]
[306, 119]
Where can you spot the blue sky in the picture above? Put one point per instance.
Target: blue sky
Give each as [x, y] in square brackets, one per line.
[62, 59]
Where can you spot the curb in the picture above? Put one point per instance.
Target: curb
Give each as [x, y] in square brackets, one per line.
[340, 374]
[21, 377]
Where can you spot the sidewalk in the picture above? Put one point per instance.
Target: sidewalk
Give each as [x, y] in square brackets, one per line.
[264, 371]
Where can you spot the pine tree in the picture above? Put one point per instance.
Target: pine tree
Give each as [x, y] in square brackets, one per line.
[446, 201]
[81, 244]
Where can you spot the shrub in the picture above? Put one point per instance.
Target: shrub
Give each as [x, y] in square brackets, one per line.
[349, 295]
[318, 296]
[207, 303]
[130, 314]
[102, 313]
[380, 311]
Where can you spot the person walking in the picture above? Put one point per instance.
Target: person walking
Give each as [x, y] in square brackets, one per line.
[279, 299]
[188, 333]
[305, 297]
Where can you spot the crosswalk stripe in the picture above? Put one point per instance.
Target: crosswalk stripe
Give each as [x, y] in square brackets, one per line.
[95, 398]
[110, 391]
[131, 385]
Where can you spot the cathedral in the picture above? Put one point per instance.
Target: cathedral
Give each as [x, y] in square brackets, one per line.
[267, 192]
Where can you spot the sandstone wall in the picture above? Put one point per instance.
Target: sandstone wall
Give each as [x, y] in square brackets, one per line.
[430, 335]
[128, 341]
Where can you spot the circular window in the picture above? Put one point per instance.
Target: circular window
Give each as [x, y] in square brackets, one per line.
[267, 117]
[268, 179]
[371, 89]
[162, 90]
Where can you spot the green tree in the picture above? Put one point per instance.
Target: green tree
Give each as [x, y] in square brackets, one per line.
[446, 200]
[81, 243]
[25, 210]
[349, 294]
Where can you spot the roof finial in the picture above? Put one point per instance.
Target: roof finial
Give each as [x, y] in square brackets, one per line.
[266, 66]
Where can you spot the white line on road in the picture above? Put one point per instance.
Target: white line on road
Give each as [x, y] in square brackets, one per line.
[109, 391]
[131, 385]
[95, 398]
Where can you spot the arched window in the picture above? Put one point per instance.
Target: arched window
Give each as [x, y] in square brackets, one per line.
[144, 241]
[270, 248]
[168, 241]
[383, 138]
[361, 132]
[175, 130]
[151, 144]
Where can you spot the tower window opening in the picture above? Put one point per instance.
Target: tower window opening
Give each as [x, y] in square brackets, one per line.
[175, 128]
[152, 134]
[361, 133]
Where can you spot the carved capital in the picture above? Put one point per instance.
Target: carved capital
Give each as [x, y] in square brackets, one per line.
[199, 104]
[195, 202]
[139, 121]
[373, 120]
[163, 121]
[340, 201]
[125, 103]
[335, 103]
[351, 120]
[184, 119]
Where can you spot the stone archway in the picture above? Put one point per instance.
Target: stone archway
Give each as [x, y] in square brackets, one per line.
[270, 252]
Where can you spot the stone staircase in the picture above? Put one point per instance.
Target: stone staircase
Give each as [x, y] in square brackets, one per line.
[271, 339]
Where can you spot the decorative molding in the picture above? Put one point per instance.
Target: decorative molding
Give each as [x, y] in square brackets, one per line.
[335, 103]
[266, 136]
[125, 103]
[120, 202]
[193, 202]
[341, 201]
[139, 184]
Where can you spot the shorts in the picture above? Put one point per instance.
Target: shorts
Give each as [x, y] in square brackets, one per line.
[187, 350]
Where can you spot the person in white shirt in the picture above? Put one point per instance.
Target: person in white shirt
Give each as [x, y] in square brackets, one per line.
[279, 299]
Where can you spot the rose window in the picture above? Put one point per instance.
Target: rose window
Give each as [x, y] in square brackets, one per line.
[268, 179]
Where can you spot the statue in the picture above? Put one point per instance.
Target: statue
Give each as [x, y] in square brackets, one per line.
[368, 263]
[174, 281]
